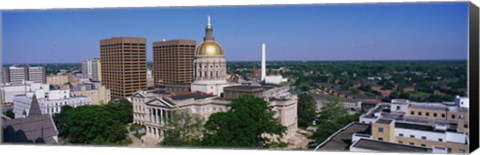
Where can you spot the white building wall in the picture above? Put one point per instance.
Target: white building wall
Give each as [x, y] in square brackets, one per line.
[275, 79]
[432, 136]
[58, 94]
[21, 104]
[456, 137]
[9, 92]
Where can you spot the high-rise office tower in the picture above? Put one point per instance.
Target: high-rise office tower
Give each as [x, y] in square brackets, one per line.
[173, 61]
[16, 74]
[91, 69]
[124, 65]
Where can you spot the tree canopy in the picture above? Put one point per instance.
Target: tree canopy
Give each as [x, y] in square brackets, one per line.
[10, 114]
[183, 129]
[331, 119]
[95, 124]
[246, 124]
[306, 110]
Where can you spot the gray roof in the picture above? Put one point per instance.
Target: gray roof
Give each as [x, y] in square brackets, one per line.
[244, 88]
[342, 140]
[384, 121]
[35, 107]
[31, 128]
[34, 127]
[196, 95]
[383, 146]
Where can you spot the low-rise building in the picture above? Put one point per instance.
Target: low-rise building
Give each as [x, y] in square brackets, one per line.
[50, 103]
[8, 92]
[275, 79]
[431, 127]
[98, 93]
[57, 80]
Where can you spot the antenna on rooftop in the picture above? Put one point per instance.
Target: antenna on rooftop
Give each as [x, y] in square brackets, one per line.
[55, 56]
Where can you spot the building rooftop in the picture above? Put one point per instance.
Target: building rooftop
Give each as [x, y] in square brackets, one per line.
[384, 121]
[34, 127]
[243, 88]
[179, 84]
[383, 146]
[342, 139]
[194, 95]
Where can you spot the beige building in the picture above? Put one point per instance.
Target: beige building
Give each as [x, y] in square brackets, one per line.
[441, 127]
[98, 94]
[173, 61]
[124, 65]
[57, 80]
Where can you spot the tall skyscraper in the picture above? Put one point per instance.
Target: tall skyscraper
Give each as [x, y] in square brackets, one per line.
[15, 74]
[172, 61]
[210, 67]
[91, 69]
[124, 65]
[264, 63]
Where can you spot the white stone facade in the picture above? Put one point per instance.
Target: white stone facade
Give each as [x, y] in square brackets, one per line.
[8, 92]
[21, 104]
[155, 110]
[210, 74]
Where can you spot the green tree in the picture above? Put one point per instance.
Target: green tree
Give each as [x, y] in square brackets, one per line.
[93, 124]
[60, 120]
[122, 110]
[183, 129]
[246, 124]
[9, 113]
[306, 110]
[331, 119]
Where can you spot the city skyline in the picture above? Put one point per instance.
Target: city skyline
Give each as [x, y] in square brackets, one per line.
[416, 31]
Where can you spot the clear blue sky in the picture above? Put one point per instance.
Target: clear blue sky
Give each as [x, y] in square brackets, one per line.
[401, 31]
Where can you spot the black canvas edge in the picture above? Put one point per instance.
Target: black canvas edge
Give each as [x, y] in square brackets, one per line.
[473, 69]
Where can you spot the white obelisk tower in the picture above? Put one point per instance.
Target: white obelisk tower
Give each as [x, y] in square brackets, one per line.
[264, 65]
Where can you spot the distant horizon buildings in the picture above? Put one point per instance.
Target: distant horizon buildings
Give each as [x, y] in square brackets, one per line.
[15, 75]
[91, 69]
[124, 65]
[173, 61]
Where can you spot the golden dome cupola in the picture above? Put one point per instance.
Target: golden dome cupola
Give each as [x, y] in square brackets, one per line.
[209, 47]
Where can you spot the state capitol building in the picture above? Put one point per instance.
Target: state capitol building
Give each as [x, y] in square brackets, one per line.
[209, 92]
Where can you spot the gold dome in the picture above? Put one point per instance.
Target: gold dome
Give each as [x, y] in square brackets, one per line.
[209, 48]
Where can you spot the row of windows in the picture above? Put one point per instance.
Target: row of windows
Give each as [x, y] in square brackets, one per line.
[449, 150]
[422, 137]
[427, 114]
[170, 46]
[207, 109]
[125, 44]
[453, 116]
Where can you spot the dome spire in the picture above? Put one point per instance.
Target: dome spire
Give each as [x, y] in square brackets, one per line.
[209, 25]
[209, 30]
